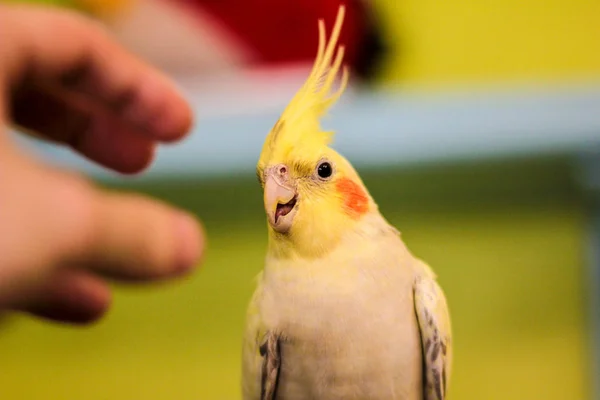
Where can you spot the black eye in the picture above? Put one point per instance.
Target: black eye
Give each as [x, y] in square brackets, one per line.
[324, 170]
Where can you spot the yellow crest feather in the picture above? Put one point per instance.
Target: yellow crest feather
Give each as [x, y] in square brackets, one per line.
[299, 123]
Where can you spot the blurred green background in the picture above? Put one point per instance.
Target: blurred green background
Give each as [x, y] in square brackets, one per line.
[505, 238]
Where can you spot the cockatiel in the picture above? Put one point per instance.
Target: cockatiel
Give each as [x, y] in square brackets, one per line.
[342, 309]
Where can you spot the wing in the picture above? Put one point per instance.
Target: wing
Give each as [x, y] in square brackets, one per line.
[436, 336]
[253, 336]
[261, 354]
[271, 354]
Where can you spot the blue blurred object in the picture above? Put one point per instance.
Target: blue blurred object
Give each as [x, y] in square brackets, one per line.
[379, 129]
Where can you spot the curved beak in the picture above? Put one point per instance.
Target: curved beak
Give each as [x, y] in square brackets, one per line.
[280, 203]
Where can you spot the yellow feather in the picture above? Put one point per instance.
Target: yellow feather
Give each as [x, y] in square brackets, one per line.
[298, 126]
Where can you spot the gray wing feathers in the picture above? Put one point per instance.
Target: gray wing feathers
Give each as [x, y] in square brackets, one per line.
[271, 353]
[436, 337]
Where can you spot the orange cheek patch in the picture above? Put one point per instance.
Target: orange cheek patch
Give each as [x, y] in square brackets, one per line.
[355, 199]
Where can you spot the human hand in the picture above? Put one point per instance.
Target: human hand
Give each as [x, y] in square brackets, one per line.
[63, 79]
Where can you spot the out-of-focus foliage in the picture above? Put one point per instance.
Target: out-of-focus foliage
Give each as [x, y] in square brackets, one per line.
[505, 240]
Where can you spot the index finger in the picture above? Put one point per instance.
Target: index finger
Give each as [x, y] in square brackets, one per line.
[46, 45]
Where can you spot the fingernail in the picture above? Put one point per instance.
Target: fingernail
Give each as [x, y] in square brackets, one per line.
[190, 242]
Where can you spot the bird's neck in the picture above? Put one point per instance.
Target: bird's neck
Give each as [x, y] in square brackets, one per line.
[322, 239]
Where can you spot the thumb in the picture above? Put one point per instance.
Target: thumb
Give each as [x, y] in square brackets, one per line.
[60, 235]
[119, 235]
[132, 237]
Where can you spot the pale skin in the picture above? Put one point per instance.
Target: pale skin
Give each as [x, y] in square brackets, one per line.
[62, 239]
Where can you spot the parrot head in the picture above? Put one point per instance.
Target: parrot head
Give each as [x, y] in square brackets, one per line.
[312, 194]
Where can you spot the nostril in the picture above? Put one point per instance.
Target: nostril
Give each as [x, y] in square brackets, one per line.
[282, 170]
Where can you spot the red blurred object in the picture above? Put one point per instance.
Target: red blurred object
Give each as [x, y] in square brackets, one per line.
[276, 31]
